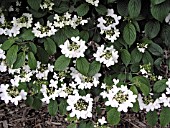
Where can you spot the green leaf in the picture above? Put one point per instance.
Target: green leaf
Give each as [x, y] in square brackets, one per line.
[134, 8]
[38, 14]
[82, 124]
[7, 44]
[155, 49]
[101, 9]
[32, 62]
[73, 125]
[165, 116]
[160, 11]
[20, 60]
[42, 55]
[134, 89]
[160, 86]
[125, 56]
[84, 35]
[27, 35]
[49, 46]
[113, 116]
[152, 29]
[90, 125]
[157, 1]
[129, 34]
[70, 32]
[37, 103]
[34, 4]
[122, 7]
[53, 107]
[62, 8]
[61, 63]
[136, 56]
[135, 107]
[82, 65]
[11, 56]
[59, 37]
[94, 68]
[82, 9]
[32, 47]
[152, 118]
[142, 83]
[165, 35]
[136, 24]
[147, 58]
[62, 107]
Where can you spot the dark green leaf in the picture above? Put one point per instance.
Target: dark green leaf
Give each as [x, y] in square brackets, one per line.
[136, 56]
[42, 55]
[84, 35]
[11, 56]
[49, 46]
[7, 44]
[129, 34]
[20, 60]
[160, 86]
[61, 63]
[165, 35]
[32, 62]
[101, 9]
[34, 4]
[53, 107]
[73, 125]
[157, 1]
[134, 7]
[147, 58]
[152, 29]
[62, 107]
[135, 107]
[134, 89]
[165, 116]
[126, 57]
[62, 8]
[155, 49]
[27, 35]
[160, 11]
[113, 116]
[94, 68]
[82, 65]
[37, 103]
[32, 47]
[82, 9]
[122, 7]
[152, 118]
[70, 32]
[59, 37]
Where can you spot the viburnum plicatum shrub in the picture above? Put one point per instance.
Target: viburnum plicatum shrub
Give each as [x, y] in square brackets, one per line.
[90, 60]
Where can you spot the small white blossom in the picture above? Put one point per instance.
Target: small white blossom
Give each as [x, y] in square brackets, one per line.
[93, 2]
[120, 97]
[74, 48]
[148, 103]
[108, 56]
[80, 106]
[102, 120]
[167, 19]
[47, 4]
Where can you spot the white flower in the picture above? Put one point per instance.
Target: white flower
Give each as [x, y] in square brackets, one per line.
[167, 19]
[74, 48]
[49, 93]
[47, 4]
[102, 120]
[108, 56]
[115, 81]
[11, 94]
[85, 82]
[121, 98]
[108, 22]
[112, 34]
[3, 67]
[2, 54]
[44, 31]
[93, 2]
[148, 103]
[76, 20]
[67, 90]
[80, 106]
[24, 21]
[165, 100]
[142, 47]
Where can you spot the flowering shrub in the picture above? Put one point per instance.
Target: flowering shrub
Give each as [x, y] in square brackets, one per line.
[89, 60]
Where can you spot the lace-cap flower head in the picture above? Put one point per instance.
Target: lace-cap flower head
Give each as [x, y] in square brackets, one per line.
[120, 97]
[74, 48]
[109, 21]
[108, 55]
[80, 106]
